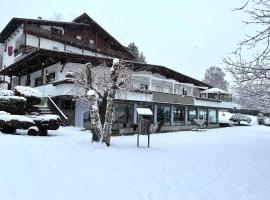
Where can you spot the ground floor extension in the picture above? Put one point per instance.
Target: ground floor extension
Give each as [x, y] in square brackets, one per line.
[166, 116]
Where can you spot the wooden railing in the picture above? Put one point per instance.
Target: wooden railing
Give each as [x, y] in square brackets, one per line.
[72, 41]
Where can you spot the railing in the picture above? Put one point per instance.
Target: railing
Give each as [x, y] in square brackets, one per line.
[51, 104]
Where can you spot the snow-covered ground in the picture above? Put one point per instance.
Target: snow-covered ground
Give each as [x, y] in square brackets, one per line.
[226, 163]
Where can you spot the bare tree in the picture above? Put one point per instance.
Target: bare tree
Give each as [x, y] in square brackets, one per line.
[99, 85]
[215, 77]
[249, 63]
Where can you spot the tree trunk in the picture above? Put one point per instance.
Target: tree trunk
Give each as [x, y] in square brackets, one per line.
[96, 128]
[102, 106]
[109, 109]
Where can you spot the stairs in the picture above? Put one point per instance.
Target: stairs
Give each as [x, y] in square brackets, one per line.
[42, 110]
[47, 107]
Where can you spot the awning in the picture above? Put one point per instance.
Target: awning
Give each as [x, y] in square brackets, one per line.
[214, 91]
[144, 111]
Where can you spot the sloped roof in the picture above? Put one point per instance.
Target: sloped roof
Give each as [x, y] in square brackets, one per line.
[82, 20]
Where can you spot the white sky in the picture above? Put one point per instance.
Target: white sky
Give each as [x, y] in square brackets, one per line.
[187, 36]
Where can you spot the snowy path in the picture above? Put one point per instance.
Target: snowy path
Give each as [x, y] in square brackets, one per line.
[230, 163]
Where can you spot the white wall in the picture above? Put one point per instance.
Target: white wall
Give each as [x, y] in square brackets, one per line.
[8, 60]
[199, 102]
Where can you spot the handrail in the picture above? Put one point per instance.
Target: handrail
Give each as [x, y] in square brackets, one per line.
[58, 109]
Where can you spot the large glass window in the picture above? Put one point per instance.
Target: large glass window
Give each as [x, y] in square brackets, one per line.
[212, 116]
[123, 115]
[192, 115]
[179, 116]
[164, 115]
[203, 114]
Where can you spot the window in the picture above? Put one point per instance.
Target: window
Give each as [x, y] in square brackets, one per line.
[123, 115]
[50, 77]
[184, 92]
[67, 105]
[78, 37]
[203, 114]
[192, 115]
[179, 116]
[38, 81]
[28, 81]
[56, 31]
[143, 86]
[164, 115]
[91, 42]
[212, 116]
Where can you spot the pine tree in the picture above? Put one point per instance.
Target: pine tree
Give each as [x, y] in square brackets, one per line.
[135, 50]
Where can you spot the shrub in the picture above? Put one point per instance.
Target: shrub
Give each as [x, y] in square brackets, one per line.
[32, 95]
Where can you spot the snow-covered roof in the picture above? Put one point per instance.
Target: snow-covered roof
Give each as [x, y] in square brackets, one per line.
[215, 91]
[144, 111]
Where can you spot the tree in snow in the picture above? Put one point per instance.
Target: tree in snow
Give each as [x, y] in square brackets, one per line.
[249, 63]
[215, 77]
[100, 85]
[135, 50]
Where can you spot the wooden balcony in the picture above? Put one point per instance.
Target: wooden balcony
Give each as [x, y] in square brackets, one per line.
[37, 31]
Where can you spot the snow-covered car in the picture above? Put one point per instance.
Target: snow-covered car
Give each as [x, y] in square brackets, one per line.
[238, 118]
[36, 125]
[267, 121]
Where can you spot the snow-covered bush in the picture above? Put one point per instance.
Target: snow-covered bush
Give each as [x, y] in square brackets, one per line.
[238, 118]
[6, 93]
[261, 119]
[12, 104]
[32, 95]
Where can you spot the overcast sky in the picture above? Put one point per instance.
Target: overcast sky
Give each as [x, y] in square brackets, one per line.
[187, 36]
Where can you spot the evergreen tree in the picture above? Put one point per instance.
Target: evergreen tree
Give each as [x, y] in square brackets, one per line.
[135, 50]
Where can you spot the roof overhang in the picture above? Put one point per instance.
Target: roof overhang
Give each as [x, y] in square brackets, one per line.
[42, 58]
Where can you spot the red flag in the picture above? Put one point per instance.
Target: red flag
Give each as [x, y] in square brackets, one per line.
[10, 50]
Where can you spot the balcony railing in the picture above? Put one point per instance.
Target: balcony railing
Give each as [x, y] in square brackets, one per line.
[70, 41]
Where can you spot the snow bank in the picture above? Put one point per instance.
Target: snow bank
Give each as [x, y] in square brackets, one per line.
[28, 91]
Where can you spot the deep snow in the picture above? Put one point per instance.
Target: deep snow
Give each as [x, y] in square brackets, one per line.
[226, 163]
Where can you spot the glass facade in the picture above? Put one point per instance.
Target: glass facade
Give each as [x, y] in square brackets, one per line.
[203, 114]
[192, 115]
[164, 115]
[212, 116]
[179, 116]
[123, 115]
